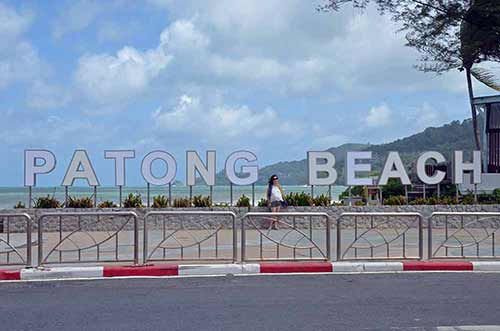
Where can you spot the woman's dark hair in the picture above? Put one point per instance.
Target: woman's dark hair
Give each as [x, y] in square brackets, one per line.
[271, 179]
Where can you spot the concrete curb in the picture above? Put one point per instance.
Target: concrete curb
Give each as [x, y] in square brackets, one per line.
[244, 269]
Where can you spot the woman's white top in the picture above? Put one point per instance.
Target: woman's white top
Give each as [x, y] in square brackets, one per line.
[276, 194]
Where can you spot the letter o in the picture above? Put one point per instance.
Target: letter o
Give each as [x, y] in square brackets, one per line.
[147, 163]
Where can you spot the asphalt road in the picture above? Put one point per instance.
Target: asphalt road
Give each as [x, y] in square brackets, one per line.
[300, 302]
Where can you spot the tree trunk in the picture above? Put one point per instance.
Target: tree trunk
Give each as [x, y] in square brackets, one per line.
[477, 136]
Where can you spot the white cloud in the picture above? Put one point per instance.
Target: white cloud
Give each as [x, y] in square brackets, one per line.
[289, 50]
[218, 123]
[108, 78]
[183, 35]
[378, 116]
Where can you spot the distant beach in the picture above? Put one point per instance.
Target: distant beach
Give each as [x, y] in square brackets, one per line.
[9, 196]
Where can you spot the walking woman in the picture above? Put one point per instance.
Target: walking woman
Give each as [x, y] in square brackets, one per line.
[275, 198]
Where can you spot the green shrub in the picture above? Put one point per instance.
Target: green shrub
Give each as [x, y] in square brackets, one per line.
[468, 199]
[448, 201]
[322, 200]
[133, 201]
[262, 202]
[486, 199]
[299, 199]
[359, 203]
[432, 201]
[19, 205]
[47, 202]
[243, 201]
[182, 203]
[107, 204]
[395, 201]
[419, 201]
[202, 201]
[74, 202]
[160, 201]
[496, 195]
[393, 188]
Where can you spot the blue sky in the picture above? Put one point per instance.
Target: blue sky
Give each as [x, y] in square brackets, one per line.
[273, 77]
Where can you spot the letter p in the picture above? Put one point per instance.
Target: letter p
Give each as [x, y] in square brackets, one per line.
[32, 167]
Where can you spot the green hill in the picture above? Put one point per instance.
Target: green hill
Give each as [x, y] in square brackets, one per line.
[445, 139]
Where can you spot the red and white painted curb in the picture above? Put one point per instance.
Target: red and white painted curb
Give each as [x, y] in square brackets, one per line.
[244, 269]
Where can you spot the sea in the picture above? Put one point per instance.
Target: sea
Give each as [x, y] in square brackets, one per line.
[10, 196]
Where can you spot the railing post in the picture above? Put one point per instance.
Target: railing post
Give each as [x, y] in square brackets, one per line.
[339, 239]
[429, 237]
[235, 239]
[243, 244]
[145, 240]
[136, 241]
[40, 241]
[328, 240]
[28, 241]
[420, 237]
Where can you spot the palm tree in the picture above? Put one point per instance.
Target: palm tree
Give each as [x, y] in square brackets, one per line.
[480, 40]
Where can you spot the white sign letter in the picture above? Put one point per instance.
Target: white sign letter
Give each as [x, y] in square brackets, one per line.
[352, 167]
[80, 168]
[394, 168]
[194, 163]
[251, 170]
[326, 167]
[459, 167]
[31, 168]
[119, 157]
[422, 175]
[147, 172]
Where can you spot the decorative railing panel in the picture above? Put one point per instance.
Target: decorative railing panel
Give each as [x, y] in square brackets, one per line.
[285, 236]
[471, 235]
[190, 236]
[15, 239]
[379, 236]
[81, 237]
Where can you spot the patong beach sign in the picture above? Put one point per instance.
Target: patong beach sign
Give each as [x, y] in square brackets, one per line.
[321, 168]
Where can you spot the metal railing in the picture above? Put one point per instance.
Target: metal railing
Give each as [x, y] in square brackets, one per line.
[468, 235]
[13, 239]
[189, 240]
[373, 236]
[80, 237]
[293, 237]
[88, 237]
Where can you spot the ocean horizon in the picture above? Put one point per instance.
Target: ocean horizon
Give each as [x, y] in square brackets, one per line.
[10, 196]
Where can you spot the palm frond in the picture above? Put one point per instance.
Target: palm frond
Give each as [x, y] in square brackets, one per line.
[487, 77]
